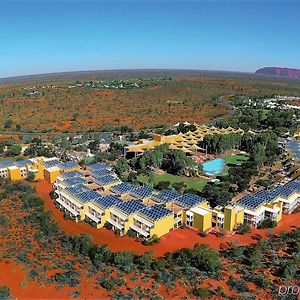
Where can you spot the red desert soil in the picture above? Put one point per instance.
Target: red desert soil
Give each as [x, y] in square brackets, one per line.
[174, 240]
[15, 278]
[65, 126]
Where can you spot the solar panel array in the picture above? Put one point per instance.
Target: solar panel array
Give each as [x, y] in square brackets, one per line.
[74, 181]
[107, 201]
[88, 196]
[293, 185]
[122, 188]
[165, 196]
[101, 173]
[251, 202]
[23, 163]
[189, 200]
[130, 207]
[69, 165]
[71, 174]
[108, 179]
[98, 166]
[51, 163]
[142, 192]
[77, 190]
[6, 163]
[155, 212]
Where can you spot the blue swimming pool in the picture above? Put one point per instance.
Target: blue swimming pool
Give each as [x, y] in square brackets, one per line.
[214, 167]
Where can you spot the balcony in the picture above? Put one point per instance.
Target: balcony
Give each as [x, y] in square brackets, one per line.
[140, 230]
[92, 217]
[67, 207]
[115, 224]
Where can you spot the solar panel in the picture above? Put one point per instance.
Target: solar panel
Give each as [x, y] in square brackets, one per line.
[293, 185]
[51, 163]
[142, 192]
[130, 207]
[77, 190]
[71, 174]
[23, 163]
[108, 179]
[6, 163]
[165, 196]
[98, 166]
[189, 200]
[101, 173]
[107, 201]
[69, 165]
[74, 181]
[251, 202]
[88, 196]
[122, 188]
[155, 212]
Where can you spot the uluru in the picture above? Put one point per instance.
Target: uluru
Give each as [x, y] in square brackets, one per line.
[280, 72]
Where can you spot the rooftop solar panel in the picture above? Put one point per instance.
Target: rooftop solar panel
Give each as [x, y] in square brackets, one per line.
[77, 190]
[108, 179]
[69, 165]
[293, 185]
[130, 207]
[88, 196]
[155, 212]
[122, 188]
[51, 163]
[74, 181]
[72, 174]
[102, 172]
[142, 192]
[107, 201]
[251, 202]
[6, 163]
[23, 163]
[165, 196]
[189, 200]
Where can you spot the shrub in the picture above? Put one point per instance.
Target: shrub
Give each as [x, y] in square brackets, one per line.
[5, 293]
[243, 228]
[267, 223]
[237, 284]
[3, 220]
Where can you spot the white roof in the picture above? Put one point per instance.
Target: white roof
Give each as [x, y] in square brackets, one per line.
[52, 169]
[199, 211]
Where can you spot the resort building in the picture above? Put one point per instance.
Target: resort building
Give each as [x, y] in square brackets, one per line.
[152, 221]
[98, 210]
[122, 215]
[19, 170]
[74, 201]
[53, 168]
[186, 142]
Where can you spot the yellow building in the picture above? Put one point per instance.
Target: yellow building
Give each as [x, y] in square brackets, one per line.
[18, 170]
[153, 221]
[53, 168]
[186, 142]
[75, 201]
[121, 215]
[233, 215]
[99, 210]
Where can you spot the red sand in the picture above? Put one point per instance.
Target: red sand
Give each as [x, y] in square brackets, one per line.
[174, 240]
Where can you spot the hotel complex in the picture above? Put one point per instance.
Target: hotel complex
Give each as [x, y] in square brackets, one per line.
[96, 195]
[186, 142]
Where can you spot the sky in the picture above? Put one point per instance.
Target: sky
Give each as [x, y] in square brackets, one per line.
[54, 36]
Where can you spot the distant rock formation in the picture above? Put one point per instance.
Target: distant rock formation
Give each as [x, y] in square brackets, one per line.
[281, 72]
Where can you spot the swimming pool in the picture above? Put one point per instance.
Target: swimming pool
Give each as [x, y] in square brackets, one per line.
[214, 167]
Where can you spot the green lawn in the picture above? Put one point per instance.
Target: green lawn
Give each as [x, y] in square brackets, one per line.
[234, 159]
[191, 182]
